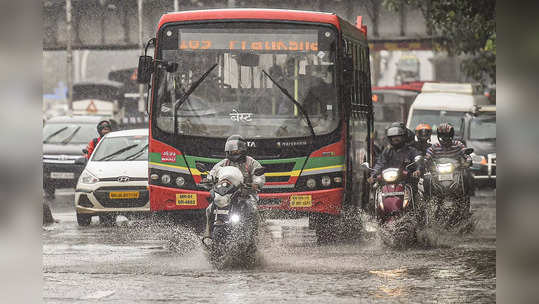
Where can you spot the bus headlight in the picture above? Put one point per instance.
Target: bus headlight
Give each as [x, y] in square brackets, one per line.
[444, 168]
[326, 181]
[165, 179]
[154, 176]
[337, 179]
[180, 181]
[311, 183]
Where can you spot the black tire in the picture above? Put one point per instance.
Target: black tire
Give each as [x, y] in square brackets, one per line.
[107, 219]
[84, 219]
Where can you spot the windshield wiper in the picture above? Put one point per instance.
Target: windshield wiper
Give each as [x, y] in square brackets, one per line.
[137, 154]
[300, 107]
[180, 101]
[70, 137]
[122, 150]
[54, 134]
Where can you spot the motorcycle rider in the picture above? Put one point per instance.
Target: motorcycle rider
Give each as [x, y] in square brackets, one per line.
[236, 155]
[448, 147]
[396, 154]
[103, 127]
[422, 133]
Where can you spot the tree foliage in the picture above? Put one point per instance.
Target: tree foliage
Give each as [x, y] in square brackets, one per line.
[467, 27]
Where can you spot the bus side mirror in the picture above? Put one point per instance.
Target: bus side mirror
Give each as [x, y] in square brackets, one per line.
[145, 69]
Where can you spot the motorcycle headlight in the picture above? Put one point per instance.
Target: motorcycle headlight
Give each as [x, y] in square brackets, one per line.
[390, 175]
[234, 218]
[444, 168]
[87, 178]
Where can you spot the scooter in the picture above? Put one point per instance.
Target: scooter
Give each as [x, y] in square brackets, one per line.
[395, 207]
[233, 218]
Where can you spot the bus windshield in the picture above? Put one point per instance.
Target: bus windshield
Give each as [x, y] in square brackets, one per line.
[237, 97]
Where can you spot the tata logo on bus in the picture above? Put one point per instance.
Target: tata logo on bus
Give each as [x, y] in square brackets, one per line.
[251, 144]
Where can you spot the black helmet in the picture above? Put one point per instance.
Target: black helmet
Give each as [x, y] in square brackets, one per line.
[423, 132]
[396, 130]
[236, 148]
[445, 134]
[102, 125]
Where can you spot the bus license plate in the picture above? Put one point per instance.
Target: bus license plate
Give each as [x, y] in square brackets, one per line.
[186, 199]
[301, 201]
[124, 195]
[445, 177]
[63, 175]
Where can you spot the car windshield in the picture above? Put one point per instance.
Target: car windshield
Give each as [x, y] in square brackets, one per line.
[483, 128]
[68, 133]
[237, 96]
[435, 117]
[122, 148]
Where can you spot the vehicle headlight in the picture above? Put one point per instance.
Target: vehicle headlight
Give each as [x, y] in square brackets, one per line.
[87, 178]
[444, 168]
[478, 159]
[311, 183]
[234, 218]
[165, 179]
[326, 181]
[180, 181]
[390, 175]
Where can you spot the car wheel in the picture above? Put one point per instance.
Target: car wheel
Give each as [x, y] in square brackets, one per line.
[107, 219]
[84, 219]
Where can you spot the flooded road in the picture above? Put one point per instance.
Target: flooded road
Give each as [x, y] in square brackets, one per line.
[142, 262]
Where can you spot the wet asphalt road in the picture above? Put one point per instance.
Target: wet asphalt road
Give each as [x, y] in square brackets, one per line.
[147, 262]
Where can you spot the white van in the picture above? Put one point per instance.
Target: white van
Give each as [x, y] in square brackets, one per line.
[444, 102]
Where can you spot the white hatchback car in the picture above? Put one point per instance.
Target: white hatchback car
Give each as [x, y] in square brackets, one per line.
[115, 180]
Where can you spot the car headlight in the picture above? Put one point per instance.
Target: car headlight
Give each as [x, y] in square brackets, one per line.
[87, 178]
[444, 168]
[478, 159]
[390, 175]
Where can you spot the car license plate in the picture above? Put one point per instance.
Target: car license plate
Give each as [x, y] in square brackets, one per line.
[445, 177]
[124, 195]
[186, 199]
[301, 201]
[63, 175]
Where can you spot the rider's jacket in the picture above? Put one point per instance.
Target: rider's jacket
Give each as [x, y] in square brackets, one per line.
[395, 158]
[422, 146]
[247, 168]
[455, 151]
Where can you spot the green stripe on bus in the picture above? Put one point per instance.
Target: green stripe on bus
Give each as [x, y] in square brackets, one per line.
[317, 162]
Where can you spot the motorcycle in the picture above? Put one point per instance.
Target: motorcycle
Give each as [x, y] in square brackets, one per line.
[448, 199]
[234, 220]
[395, 207]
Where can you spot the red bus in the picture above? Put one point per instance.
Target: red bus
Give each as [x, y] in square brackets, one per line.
[294, 84]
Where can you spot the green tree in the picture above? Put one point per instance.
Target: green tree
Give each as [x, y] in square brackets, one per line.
[466, 26]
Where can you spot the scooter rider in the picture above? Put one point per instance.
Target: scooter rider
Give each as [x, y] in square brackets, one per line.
[236, 155]
[422, 133]
[397, 153]
[103, 127]
[450, 148]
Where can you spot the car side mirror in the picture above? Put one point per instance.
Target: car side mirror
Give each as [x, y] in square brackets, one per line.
[260, 171]
[201, 167]
[145, 69]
